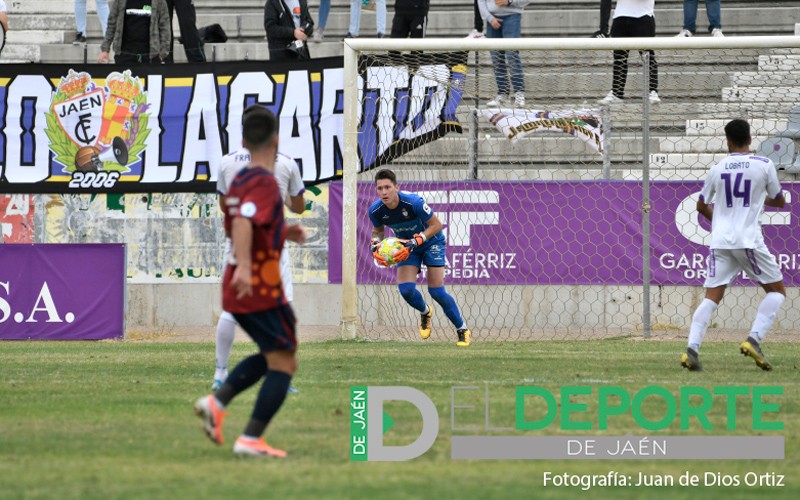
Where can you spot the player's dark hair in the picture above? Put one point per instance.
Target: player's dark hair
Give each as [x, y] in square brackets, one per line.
[259, 126]
[385, 173]
[738, 132]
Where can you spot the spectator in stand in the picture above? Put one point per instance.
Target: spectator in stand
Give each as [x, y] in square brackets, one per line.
[324, 10]
[187, 22]
[80, 19]
[410, 18]
[477, 30]
[714, 12]
[288, 22]
[632, 18]
[355, 17]
[138, 31]
[503, 20]
[605, 15]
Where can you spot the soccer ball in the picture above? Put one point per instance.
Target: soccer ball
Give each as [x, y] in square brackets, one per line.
[388, 248]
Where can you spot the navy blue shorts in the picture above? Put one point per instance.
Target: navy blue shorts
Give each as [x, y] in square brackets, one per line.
[272, 330]
[432, 255]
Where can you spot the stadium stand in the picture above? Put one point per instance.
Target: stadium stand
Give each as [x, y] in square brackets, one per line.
[42, 30]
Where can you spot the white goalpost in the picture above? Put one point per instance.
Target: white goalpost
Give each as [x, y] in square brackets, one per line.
[566, 217]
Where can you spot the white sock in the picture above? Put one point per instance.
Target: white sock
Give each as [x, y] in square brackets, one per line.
[226, 332]
[767, 311]
[700, 321]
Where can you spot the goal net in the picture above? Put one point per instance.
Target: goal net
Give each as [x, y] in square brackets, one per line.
[566, 173]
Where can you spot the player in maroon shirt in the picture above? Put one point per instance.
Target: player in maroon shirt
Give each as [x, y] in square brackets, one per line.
[252, 290]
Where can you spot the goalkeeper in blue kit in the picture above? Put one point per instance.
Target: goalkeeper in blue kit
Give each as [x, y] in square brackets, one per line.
[412, 219]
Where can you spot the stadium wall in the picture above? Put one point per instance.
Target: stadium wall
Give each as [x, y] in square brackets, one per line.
[175, 249]
[576, 307]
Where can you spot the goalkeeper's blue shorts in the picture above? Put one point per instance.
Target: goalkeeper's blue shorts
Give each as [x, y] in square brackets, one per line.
[432, 254]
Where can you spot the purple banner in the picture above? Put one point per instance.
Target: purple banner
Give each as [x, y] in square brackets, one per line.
[62, 292]
[564, 233]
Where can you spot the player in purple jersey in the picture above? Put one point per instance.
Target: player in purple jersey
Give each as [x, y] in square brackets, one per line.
[739, 187]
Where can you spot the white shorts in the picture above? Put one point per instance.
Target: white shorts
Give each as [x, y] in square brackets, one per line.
[285, 263]
[724, 264]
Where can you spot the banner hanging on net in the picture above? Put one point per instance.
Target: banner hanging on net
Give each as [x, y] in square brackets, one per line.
[164, 128]
[564, 233]
[514, 124]
[406, 101]
[62, 292]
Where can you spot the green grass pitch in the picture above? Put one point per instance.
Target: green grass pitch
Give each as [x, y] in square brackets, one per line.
[114, 420]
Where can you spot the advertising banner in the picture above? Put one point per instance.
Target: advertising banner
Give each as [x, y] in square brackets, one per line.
[62, 292]
[559, 233]
[164, 128]
[514, 124]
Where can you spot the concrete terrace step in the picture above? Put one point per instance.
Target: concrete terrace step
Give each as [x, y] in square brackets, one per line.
[705, 110]
[785, 51]
[762, 94]
[758, 126]
[33, 37]
[536, 151]
[779, 62]
[260, 51]
[765, 78]
[50, 22]
[737, 14]
[68, 53]
[559, 60]
[556, 145]
[685, 161]
[17, 7]
[24, 53]
[557, 76]
[536, 21]
[536, 147]
[671, 117]
[705, 144]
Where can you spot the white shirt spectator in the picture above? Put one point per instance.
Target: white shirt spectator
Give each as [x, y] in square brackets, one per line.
[634, 8]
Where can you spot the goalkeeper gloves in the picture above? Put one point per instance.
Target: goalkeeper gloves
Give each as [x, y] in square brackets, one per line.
[373, 247]
[414, 242]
